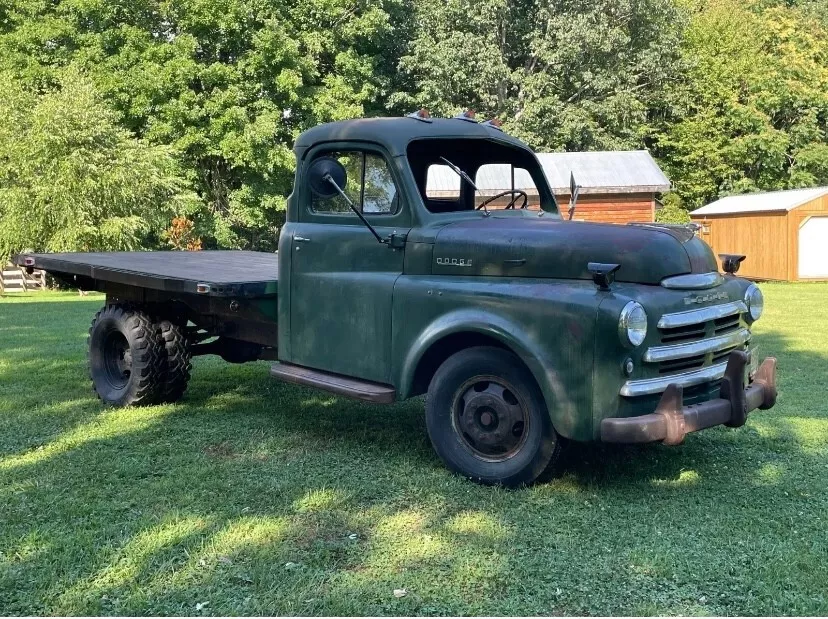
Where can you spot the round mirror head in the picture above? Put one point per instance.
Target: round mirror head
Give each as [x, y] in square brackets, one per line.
[318, 175]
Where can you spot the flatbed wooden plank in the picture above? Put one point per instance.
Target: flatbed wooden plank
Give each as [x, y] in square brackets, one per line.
[226, 272]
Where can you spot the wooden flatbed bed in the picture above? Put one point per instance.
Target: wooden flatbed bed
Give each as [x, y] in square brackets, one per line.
[247, 274]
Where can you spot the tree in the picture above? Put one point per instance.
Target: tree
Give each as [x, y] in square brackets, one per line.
[572, 75]
[229, 84]
[752, 112]
[72, 179]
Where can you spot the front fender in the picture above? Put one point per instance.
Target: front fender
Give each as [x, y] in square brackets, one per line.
[549, 324]
[471, 320]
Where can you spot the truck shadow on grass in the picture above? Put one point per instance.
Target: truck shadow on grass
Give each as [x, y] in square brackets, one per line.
[258, 497]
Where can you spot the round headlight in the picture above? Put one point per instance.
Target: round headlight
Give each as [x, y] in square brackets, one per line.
[632, 325]
[755, 301]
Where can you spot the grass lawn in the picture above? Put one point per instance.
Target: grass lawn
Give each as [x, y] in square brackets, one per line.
[253, 497]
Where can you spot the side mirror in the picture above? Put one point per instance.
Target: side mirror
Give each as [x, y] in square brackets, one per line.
[322, 169]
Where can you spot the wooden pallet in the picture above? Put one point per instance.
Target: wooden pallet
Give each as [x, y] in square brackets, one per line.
[16, 279]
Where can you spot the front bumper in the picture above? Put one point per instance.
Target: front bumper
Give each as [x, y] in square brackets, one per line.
[672, 421]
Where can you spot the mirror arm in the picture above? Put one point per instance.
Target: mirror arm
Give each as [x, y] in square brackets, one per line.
[330, 179]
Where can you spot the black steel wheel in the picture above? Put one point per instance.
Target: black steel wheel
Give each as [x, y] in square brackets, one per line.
[126, 356]
[487, 418]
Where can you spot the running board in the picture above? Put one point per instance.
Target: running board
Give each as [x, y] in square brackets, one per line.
[335, 383]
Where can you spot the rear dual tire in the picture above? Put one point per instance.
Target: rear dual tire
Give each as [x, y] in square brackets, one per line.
[136, 360]
[177, 368]
[488, 421]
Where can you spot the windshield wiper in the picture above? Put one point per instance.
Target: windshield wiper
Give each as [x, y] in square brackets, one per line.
[466, 178]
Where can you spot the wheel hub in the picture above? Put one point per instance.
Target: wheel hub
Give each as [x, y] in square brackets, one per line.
[489, 418]
[117, 359]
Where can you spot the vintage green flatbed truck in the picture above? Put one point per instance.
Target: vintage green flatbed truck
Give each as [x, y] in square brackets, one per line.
[523, 329]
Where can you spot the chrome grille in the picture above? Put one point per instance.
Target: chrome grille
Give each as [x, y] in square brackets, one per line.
[678, 365]
[683, 334]
[726, 324]
[693, 348]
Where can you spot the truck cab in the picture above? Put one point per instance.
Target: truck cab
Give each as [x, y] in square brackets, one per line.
[397, 277]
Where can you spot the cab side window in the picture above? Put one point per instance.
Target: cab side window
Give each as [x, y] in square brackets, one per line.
[352, 161]
[370, 186]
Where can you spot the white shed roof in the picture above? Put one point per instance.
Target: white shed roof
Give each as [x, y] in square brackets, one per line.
[596, 172]
[762, 202]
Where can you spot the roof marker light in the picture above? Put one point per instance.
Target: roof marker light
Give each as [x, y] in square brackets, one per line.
[467, 115]
[494, 123]
[421, 115]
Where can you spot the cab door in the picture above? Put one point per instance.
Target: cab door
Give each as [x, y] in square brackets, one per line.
[342, 278]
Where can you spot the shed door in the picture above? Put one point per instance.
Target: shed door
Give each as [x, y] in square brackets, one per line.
[813, 248]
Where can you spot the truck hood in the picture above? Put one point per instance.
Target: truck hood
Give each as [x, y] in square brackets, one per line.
[537, 247]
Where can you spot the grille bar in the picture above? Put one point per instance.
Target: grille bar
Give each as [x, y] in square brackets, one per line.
[703, 314]
[649, 386]
[691, 349]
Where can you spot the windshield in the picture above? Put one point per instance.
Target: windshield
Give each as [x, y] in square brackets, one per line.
[472, 174]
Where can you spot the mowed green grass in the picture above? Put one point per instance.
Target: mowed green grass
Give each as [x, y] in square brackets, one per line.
[253, 497]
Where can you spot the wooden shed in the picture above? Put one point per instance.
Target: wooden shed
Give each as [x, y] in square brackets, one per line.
[784, 234]
[616, 186]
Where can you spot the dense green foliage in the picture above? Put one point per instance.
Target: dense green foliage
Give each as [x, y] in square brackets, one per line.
[228, 84]
[252, 497]
[729, 95]
[72, 179]
[751, 111]
[575, 75]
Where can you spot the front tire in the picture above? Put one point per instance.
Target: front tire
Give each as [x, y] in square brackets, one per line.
[126, 356]
[487, 418]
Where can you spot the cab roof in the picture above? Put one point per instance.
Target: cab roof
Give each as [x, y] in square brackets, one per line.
[395, 134]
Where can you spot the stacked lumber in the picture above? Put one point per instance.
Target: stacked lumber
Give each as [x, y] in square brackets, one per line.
[16, 279]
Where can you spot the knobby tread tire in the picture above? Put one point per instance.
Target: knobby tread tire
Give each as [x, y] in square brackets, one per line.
[177, 361]
[146, 348]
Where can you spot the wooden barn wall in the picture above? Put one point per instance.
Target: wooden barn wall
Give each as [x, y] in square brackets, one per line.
[611, 208]
[606, 208]
[762, 237]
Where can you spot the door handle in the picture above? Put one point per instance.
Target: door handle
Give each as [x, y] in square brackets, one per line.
[301, 239]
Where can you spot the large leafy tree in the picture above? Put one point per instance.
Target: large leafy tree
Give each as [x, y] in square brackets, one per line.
[228, 84]
[71, 178]
[575, 74]
[752, 112]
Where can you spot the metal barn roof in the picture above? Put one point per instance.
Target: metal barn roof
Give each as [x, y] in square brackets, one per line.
[596, 172]
[631, 171]
[762, 202]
